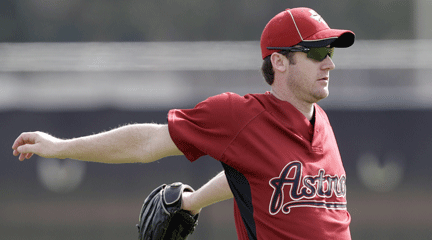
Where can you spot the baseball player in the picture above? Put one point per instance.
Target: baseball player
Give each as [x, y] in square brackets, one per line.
[278, 150]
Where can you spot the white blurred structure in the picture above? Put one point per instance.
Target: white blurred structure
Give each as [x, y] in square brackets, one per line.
[61, 176]
[381, 175]
[52, 76]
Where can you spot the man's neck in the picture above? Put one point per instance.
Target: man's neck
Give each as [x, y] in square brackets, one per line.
[307, 109]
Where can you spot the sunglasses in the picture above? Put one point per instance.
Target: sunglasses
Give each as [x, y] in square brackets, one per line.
[318, 54]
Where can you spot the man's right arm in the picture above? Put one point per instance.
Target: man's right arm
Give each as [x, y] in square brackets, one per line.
[128, 144]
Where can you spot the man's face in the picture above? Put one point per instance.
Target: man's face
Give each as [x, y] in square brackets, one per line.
[308, 79]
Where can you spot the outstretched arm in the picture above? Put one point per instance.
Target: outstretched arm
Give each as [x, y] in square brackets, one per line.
[127, 144]
[215, 190]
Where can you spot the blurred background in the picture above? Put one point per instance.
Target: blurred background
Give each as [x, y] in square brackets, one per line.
[73, 68]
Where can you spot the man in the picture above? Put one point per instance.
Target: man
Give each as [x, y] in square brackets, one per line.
[278, 149]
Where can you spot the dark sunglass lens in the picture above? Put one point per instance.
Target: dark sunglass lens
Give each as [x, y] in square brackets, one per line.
[331, 52]
[320, 54]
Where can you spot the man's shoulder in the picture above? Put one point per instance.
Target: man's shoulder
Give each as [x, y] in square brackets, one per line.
[236, 99]
[231, 105]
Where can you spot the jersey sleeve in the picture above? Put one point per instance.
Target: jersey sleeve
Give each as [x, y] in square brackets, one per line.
[210, 127]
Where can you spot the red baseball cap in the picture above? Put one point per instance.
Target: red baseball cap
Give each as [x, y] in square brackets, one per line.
[302, 26]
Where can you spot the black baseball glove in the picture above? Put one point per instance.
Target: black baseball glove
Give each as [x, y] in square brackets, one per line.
[161, 216]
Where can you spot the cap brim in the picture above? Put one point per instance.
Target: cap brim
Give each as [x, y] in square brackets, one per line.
[333, 37]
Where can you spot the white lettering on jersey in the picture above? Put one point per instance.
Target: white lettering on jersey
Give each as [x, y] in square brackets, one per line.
[307, 191]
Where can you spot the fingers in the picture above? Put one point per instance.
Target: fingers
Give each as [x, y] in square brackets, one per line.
[24, 156]
[23, 139]
[22, 146]
[18, 142]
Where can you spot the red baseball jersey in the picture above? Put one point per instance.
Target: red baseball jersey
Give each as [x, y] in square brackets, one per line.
[286, 173]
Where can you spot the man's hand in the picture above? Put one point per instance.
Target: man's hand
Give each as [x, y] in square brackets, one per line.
[38, 143]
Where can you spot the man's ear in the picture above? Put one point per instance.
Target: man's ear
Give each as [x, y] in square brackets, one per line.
[279, 62]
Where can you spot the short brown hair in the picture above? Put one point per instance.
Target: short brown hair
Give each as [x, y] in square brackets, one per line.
[267, 67]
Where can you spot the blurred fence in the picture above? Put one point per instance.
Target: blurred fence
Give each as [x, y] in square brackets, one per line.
[380, 108]
[371, 74]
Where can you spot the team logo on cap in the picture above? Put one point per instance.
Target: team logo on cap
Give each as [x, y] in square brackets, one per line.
[316, 16]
